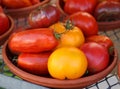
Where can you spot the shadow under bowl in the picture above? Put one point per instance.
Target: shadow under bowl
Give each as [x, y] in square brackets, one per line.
[5, 36]
[24, 12]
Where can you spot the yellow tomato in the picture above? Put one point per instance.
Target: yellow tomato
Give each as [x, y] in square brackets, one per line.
[67, 63]
[58, 27]
[69, 35]
[72, 37]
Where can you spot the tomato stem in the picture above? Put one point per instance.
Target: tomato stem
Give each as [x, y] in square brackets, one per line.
[69, 25]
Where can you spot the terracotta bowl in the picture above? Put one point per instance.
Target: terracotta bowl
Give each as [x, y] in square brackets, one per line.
[102, 25]
[24, 12]
[4, 37]
[118, 69]
[56, 83]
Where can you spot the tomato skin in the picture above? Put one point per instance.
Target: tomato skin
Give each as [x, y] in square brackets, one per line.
[107, 11]
[67, 63]
[44, 17]
[97, 56]
[73, 6]
[4, 22]
[85, 22]
[34, 63]
[101, 39]
[15, 4]
[33, 41]
[73, 37]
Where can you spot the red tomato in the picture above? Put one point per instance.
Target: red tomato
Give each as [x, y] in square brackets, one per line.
[86, 22]
[14, 4]
[107, 11]
[72, 6]
[101, 39]
[34, 63]
[44, 17]
[4, 22]
[32, 41]
[97, 56]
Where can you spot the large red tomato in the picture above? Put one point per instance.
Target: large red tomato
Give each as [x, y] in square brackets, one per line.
[107, 11]
[34, 63]
[4, 22]
[97, 56]
[86, 22]
[44, 16]
[72, 6]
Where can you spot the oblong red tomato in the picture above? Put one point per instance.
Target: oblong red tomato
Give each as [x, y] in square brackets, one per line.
[44, 16]
[86, 22]
[34, 63]
[33, 41]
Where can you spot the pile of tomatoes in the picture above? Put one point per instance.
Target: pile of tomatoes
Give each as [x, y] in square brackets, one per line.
[102, 10]
[63, 47]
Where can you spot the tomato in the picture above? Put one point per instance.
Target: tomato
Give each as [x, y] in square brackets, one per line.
[86, 22]
[103, 40]
[67, 63]
[58, 27]
[34, 63]
[33, 41]
[44, 16]
[14, 4]
[107, 11]
[97, 56]
[72, 6]
[69, 35]
[4, 22]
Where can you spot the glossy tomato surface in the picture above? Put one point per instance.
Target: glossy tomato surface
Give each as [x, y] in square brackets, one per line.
[44, 16]
[101, 39]
[33, 41]
[97, 56]
[15, 4]
[107, 11]
[72, 6]
[34, 63]
[86, 22]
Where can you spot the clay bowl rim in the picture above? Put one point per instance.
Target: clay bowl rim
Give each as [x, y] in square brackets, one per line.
[10, 29]
[99, 23]
[26, 8]
[55, 83]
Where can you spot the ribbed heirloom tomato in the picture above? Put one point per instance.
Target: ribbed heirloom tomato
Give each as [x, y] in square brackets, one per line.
[69, 35]
[86, 22]
[67, 63]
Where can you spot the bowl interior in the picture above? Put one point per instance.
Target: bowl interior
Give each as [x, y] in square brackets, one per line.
[4, 37]
[48, 81]
[24, 12]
